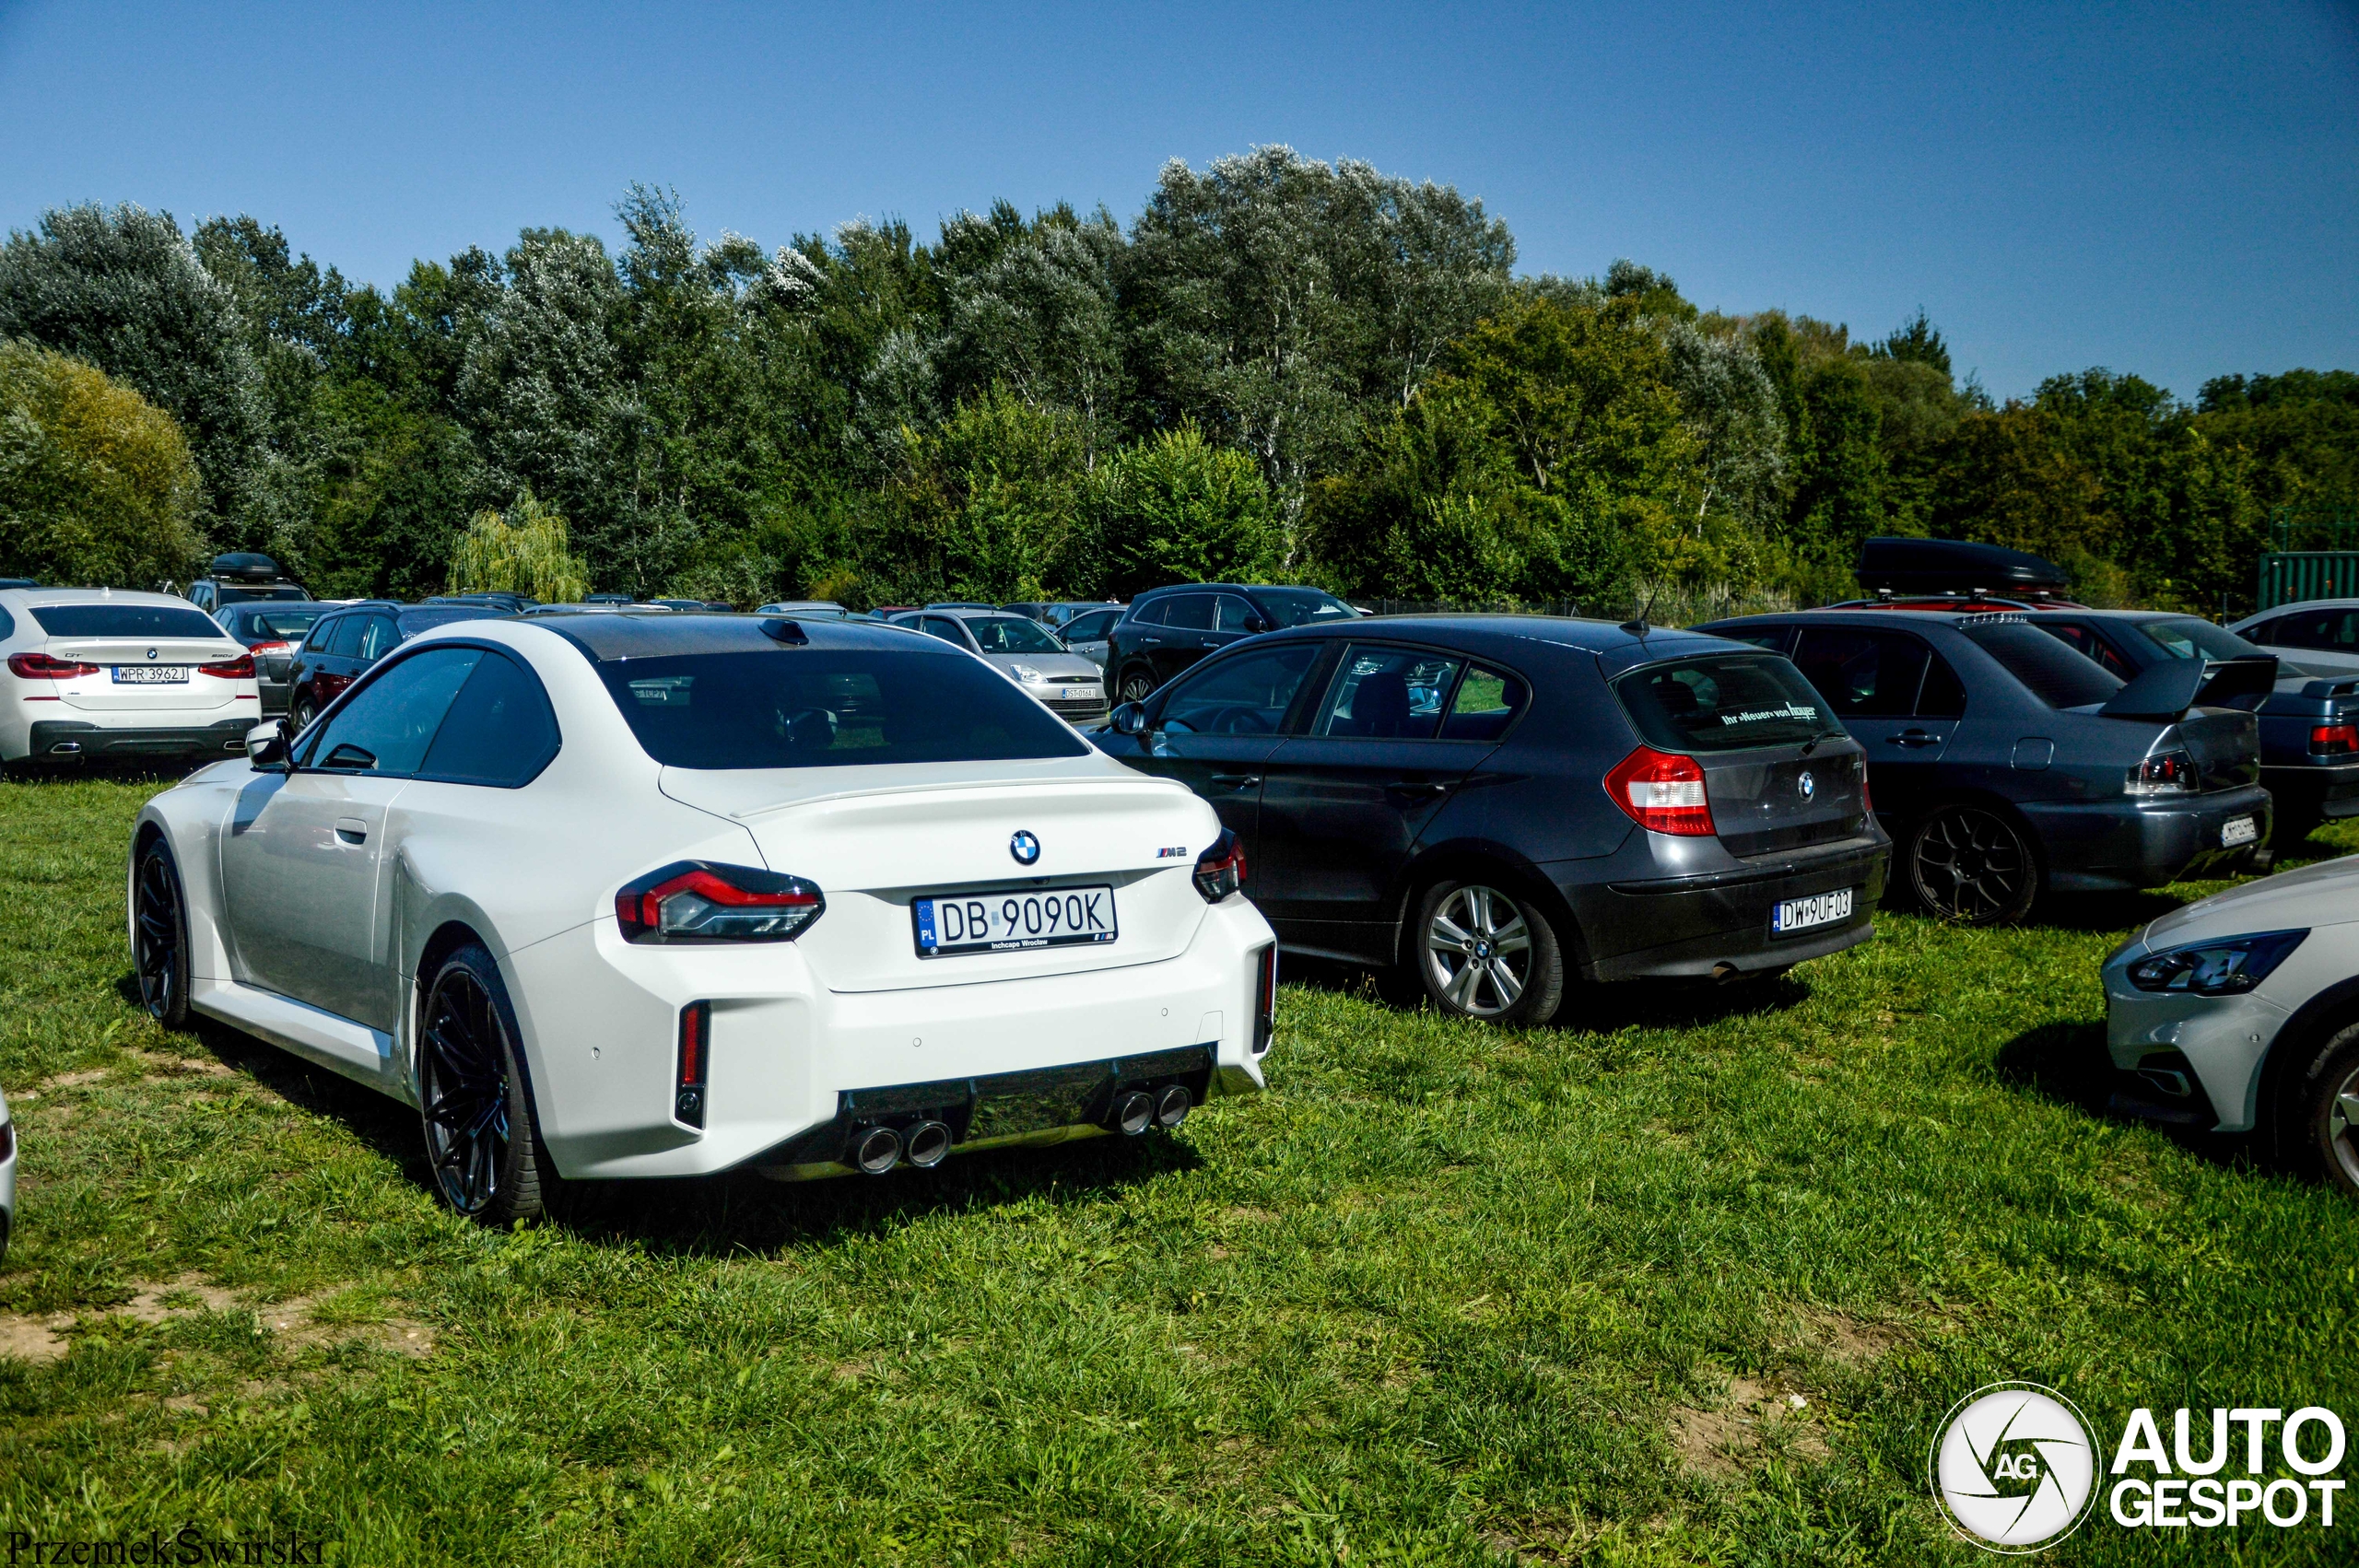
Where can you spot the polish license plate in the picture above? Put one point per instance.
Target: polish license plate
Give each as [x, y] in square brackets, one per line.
[1013, 922]
[1818, 910]
[150, 675]
[2238, 830]
[1075, 693]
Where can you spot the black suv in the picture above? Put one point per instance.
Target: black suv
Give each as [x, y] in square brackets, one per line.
[1170, 629]
[240, 577]
[350, 638]
[1492, 807]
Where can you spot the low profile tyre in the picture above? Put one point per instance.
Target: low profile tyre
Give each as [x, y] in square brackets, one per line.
[482, 1140]
[2325, 1113]
[1971, 864]
[1137, 685]
[299, 716]
[159, 935]
[1484, 953]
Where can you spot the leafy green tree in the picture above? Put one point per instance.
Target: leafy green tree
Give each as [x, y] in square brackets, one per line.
[527, 549]
[123, 290]
[995, 506]
[1178, 509]
[97, 486]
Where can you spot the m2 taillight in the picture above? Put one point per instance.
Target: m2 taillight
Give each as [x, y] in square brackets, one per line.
[2334, 740]
[1662, 792]
[697, 901]
[1220, 870]
[695, 1063]
[41, 667]
[241, 668]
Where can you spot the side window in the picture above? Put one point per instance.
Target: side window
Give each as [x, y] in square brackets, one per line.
[379, 637]
[1190, 612]
[944, 627]
[1486, 703]
[1777, 640]
[1234, 615]
[1944, 694]
[387, 728]
[1386, 693]
[1091, 628]
[2086, 639]
[499, 731]
[1150, 614]
[229, 622]
[344, 639]
[1245, 695]
[201, 596]
[1863, 674]
[7, 624]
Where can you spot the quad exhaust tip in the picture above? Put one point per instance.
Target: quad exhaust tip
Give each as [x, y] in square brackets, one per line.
[926, 1144]
[876, 1151]
[1133, 1113]
[1171, 1106]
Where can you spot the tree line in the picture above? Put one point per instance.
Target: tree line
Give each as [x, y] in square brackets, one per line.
[1279, 370]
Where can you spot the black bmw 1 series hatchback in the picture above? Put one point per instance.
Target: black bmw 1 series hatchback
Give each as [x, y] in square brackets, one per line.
[1495, 806]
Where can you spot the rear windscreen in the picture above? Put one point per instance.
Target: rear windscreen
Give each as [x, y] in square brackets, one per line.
[2053, 672]
[805, 708]
[125, 620]
[1724, 702]
[289, 624]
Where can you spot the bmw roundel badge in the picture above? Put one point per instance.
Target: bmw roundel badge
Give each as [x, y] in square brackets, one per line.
[1806, 785]
[1024, 846]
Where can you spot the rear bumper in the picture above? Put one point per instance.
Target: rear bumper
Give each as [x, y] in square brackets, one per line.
[63, 738]
[2109, 846]
[2329, 789]
[794, 1064]
[1718, 922]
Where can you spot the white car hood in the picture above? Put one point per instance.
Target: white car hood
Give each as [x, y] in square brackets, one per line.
[1056, 666]
[2322, 895]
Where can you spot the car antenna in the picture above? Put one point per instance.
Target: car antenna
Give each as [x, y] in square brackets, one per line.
[787, 632]
[1636, 625]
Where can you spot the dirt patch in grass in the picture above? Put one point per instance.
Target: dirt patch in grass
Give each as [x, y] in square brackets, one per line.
[1849, 1342]
[170, 1066]
[32, 1338]
[1734, 1435]
[181, 1297]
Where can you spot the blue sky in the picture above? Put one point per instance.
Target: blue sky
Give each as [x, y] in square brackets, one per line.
[2169, 189]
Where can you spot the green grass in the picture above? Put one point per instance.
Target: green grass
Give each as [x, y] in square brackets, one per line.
[1443, 1295]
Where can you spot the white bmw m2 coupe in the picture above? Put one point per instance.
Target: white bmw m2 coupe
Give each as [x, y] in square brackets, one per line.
[656, 896]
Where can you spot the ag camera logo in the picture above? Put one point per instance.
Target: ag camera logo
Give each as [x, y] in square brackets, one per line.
[2013, 1467]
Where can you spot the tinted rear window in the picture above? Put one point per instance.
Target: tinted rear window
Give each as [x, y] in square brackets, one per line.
[2187, 638]
[805, 708]
[125, 620]
[1723, 702]
[288, 625]
[2051, 671]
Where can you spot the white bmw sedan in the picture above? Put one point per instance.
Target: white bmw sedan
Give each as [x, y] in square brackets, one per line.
[656, 895]
[92, 672]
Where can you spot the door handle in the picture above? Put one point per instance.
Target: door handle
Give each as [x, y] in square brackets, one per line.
[351, 830]
[1417, 786]
[1913, 738]
[1241, 780]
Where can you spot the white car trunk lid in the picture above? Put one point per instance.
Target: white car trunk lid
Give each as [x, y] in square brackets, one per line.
[874, 844]
[103, 693]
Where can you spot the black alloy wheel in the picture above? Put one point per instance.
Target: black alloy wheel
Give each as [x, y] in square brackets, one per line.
[1972, 865]
[1487, 955]
[159, 936]
[2326, 1111]
[1137, 685]
[481, 1139]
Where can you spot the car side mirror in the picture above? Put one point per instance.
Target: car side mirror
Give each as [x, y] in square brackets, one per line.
[1257, 623]
[1130, 719]
[266, 746]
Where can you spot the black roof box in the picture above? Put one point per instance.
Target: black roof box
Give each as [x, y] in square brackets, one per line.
[1951, 565]
[245, 565]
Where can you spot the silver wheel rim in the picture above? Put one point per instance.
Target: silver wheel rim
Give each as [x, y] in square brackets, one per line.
[1478, 951]
[1138, 688]
[2343, 1126]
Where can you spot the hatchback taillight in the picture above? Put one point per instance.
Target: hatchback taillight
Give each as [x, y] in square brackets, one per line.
[270, 648]
[2164, 772]
[241, 668]
[41, 667]
[2334, 740]
[1662, 792]
[696, 901]
[1220, 870]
